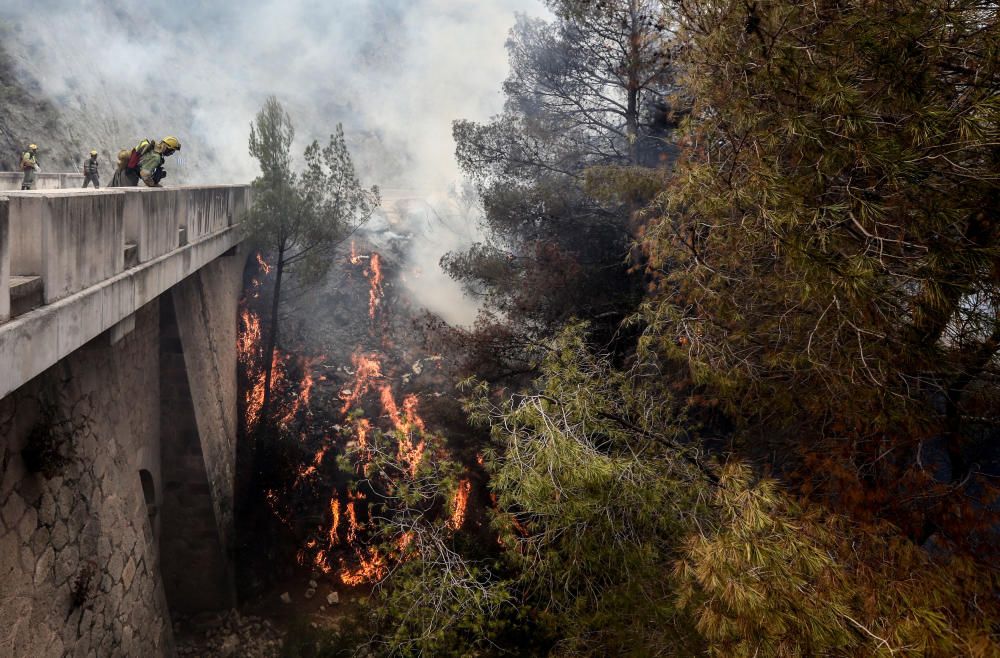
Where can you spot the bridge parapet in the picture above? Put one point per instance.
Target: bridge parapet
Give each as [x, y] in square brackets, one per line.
[71, 239]
[65, 252]
[11, 180]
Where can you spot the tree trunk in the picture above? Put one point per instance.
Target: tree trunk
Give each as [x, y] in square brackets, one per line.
[272, 334]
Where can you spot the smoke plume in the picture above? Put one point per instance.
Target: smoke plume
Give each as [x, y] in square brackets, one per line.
[394, 72]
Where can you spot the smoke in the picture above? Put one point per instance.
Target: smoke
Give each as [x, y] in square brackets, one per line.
[394, 72]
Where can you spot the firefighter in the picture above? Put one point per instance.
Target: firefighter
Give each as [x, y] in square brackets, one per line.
[29, 165]
[144, 162]
[90, 173]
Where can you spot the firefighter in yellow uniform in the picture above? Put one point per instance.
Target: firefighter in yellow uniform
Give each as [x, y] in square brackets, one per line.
[144, 162]
[29, 165]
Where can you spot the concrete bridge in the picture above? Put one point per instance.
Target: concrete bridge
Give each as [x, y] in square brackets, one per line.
[118, 415]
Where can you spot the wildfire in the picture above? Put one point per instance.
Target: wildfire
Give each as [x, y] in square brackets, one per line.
[352, 517]
[264, 267]
[372, 567]
[248, 342]
[310, 470]
[367, 369]
[255, 394]
[302, 399]
[363, 428]
[342, 547]
[461, 504]
[334, 520]
[374, 276]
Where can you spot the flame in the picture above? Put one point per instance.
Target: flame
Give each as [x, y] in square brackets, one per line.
[363, 428]
[374, 276]
[345, 551]
[310, 470]
[264, 267]
[352, 523]
[320, 562]
[367, 368]
[248, 342]
[334, 520]
[255, 394]
[389, 405]
[460, 505]
[413, 419]
[302, 399]
[372, 568]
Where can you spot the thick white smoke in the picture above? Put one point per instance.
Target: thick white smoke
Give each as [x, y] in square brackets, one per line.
[394, 72]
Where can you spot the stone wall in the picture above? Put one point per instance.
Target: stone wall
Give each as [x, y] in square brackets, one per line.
[144, 504]
[88, 515]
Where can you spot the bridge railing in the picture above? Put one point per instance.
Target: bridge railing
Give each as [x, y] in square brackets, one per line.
[71, 239]
[11, 180]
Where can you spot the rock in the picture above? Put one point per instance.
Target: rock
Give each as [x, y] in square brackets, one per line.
[333, 598]
[310, 593]
[286, 598]
[43, 567]
[230, 646]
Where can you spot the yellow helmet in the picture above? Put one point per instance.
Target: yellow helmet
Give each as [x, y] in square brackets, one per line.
[172, 142]
[32, 147]
[93, 152]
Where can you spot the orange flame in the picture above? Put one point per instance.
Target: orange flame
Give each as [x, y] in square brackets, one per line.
[335, 520]
[366, 564]
[265, 268]
[255, 395]
[374, 276]
[248, 341]
[367, 369]
[461, 504]
[302, 400]
[364, 427]
[352, 523]
[372, 567]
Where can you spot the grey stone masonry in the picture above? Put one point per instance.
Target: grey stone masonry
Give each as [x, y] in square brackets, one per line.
[79, 563]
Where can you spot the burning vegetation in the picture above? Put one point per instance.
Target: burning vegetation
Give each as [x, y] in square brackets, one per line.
[367, 456]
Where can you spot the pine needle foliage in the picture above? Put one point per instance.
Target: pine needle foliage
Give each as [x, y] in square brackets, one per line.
[628, 542]
[828, 250]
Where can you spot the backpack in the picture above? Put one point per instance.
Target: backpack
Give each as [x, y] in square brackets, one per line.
[141, 149]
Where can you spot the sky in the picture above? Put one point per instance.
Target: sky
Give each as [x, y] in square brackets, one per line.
[396, 73]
